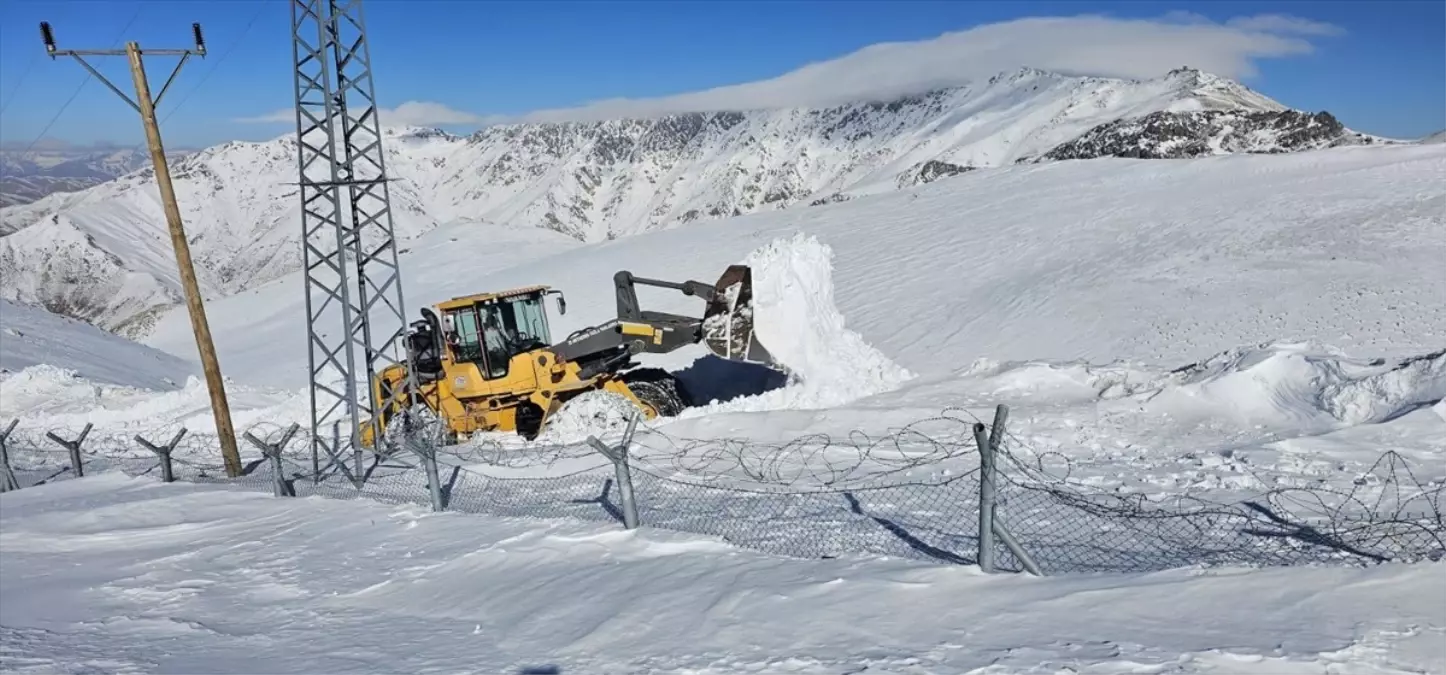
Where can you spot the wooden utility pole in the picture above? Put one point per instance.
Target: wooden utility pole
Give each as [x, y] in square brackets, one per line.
[145, 104]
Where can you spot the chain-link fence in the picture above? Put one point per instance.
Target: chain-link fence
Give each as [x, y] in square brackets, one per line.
[915, 492]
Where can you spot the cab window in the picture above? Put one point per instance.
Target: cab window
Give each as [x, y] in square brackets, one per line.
[491, 334]
[497, 342]
[529, 318]
[467, 335]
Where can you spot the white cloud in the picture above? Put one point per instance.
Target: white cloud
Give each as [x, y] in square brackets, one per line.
[1087, 45]
[1082, 45]
[411, 113]
[275, 117]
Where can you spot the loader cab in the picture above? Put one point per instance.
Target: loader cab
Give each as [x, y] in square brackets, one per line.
[490, 329]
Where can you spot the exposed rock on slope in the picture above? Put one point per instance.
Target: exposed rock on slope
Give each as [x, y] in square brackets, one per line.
[1175, 135]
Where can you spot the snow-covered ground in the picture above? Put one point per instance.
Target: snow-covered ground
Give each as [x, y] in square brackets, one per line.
[31, 336]
[120, 575]
[1214, 328]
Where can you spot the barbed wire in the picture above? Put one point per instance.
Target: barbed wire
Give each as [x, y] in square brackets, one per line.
[816, 461]
[911, 491]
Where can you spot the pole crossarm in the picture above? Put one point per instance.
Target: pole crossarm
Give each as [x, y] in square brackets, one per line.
[48, 35]
[145, 104]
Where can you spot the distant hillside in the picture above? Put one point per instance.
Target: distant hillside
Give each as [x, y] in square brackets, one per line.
[28, 176]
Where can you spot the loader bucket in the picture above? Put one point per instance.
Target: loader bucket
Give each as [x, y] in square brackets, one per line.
[728, 321]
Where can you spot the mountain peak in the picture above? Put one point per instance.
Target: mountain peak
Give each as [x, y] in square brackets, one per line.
[1020, 74]
[1201, 90]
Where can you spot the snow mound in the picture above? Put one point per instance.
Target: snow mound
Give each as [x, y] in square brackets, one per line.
[1306, 385]
[796, 320]
[594, 413]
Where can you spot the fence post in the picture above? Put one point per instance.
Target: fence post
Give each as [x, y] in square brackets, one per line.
[986, 499]
[358, 460]
[425, 448]
[618, 455]
[76, 466]
[315, 460]
[8, 481]
[988, 484]
[164, 452]
[273, 452]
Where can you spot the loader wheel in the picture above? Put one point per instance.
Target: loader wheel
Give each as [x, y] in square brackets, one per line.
[659, 390]
[529, 421]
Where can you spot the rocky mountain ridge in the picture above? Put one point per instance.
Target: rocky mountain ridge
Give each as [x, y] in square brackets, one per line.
[102, 254]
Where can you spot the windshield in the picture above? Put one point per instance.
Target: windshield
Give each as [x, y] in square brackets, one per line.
[491, 334]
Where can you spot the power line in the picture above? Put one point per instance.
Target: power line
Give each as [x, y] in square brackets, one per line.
[217, 64]
[34, 60]
[78, 89]
[16, 89]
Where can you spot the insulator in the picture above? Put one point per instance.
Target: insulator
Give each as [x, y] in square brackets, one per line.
[48, 37]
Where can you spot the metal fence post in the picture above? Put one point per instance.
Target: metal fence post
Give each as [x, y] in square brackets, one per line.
[434, 479]
[988, 495]
[164, 452]
[273, 452]
[315, 462]
[618, 455]
[76, 465]
[426, 449]
[986, 499]
[8, 481]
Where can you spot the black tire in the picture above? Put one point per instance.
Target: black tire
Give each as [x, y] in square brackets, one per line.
[529, 421]
[659, 390]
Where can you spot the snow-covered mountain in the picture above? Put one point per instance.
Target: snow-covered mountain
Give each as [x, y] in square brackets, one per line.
[103, 254]
[26, 176]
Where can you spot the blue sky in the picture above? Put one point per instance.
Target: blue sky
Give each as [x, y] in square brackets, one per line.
[1379, 66]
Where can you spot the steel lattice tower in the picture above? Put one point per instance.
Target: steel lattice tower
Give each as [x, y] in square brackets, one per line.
[355, 316]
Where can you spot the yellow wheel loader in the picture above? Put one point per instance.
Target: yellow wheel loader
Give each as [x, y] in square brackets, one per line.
[486, 362]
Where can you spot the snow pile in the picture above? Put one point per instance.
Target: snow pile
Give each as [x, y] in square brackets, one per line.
[594, 413]
[1305, 387]
[796, 320]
